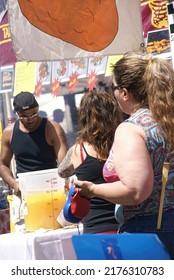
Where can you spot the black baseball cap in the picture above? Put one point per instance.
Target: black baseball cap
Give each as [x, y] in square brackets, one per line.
[24, 101]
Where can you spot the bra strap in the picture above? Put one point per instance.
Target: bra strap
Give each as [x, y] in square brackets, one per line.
[81, 153]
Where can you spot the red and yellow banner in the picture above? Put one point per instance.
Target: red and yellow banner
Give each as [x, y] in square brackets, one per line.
[154, 15]
[7, 56]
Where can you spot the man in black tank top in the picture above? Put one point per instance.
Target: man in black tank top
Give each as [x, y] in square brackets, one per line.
[36, 143]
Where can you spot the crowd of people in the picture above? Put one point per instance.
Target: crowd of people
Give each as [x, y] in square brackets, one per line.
[115, 162]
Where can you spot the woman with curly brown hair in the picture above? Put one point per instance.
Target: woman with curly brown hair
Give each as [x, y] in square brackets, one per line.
[144, 88]
[99, 115]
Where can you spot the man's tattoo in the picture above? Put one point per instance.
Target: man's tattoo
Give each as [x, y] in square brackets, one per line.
[66, 169]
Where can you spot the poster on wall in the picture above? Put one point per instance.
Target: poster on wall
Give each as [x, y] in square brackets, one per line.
[6, 78]
[79, 67]
[112, 59]
[158, 43]
[24, 77]
[97, 65]
[43, 72]
[3, 8]
[156, 29]
[60, 70]
[154, 16]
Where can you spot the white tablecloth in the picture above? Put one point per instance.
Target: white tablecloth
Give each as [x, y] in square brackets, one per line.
[39, 245]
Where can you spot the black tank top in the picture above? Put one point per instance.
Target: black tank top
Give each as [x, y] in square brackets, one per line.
[101, 215]
[31, 150]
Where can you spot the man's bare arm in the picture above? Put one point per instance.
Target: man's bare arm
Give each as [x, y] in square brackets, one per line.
[5, 162]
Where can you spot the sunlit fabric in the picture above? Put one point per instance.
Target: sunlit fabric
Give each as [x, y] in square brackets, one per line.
[30, 43]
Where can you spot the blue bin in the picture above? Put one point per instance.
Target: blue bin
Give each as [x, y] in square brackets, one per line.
[126, 246]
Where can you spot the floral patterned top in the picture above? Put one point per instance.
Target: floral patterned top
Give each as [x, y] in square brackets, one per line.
[159, 152]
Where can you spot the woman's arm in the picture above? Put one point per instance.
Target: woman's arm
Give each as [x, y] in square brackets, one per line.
[133, 166]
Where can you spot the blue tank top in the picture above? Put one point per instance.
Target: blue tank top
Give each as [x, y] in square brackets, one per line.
[31, 150]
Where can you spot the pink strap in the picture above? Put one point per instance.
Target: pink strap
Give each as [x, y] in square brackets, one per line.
[81, 153]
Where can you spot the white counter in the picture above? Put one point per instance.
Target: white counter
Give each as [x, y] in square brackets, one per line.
[39, 245]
